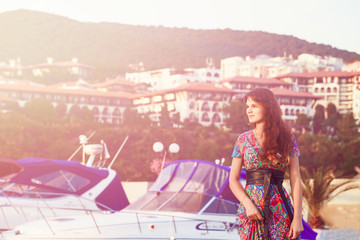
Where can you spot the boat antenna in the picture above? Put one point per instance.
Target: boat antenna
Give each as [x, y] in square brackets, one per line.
[122, 145]
[78, 149]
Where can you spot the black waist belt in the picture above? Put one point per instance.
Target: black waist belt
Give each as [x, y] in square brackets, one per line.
[267, 177]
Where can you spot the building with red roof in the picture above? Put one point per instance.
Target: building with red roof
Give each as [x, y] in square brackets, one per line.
[293, 102]
[197, 102]
[337, 87]
[242, 85]
[166, 78]
[106, 106]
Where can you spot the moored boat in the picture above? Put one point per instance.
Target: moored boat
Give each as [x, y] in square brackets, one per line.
[190, 199]
[38, 188]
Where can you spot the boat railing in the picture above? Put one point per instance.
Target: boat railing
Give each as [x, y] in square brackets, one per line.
[230, 222]
[45, 197]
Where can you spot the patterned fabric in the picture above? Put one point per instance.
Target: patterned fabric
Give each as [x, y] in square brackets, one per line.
[248, 148]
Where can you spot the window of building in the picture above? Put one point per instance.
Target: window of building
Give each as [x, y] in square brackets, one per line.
[192, 117]
[171, 107]
[216, 118]
[105, 113]
[319, 80]
[216, 107]
[192, 105]
[205, 107]
[116, 116]
[205, 117]
[96, 114]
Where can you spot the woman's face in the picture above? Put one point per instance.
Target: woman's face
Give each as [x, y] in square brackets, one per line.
[255, 111]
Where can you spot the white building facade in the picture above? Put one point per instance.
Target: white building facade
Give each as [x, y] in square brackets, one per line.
[105, 106]
[265, 66]
[196, 102]
[168, 78]
[337, 87]
[291, 102]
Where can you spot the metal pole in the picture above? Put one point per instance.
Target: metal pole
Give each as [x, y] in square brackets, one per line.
[122, 145]
[163, 161]
[138, 222]
[78, 149]
[174, 223]
[46, 221]
[6, 221]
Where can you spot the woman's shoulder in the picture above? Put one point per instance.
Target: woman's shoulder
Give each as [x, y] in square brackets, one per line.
[245, 135]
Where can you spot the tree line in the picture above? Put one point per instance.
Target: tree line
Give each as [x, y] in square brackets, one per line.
[40, 130]
[112, 47]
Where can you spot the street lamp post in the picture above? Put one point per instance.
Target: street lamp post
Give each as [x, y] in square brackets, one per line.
[220, 162]
[159, 147]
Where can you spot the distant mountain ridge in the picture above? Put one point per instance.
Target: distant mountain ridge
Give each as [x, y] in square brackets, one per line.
[110, 47]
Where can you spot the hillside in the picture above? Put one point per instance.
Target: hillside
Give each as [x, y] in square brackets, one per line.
[110, 47]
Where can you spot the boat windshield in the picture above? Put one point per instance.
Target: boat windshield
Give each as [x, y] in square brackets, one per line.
[49, 185]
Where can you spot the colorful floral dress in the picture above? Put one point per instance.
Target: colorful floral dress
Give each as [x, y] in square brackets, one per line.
[248, 148]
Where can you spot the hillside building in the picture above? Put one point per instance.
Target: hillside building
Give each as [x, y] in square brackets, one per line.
[106, 106]
[268, 67]
[291, 102]
[62, 69]
[352, 67]
[261, 66]
[337, 87]
[196, 102]
[168, 78]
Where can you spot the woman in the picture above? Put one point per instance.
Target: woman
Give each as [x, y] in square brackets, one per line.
[265, 152]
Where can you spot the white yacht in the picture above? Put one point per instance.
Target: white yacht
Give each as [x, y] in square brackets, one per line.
[38, 188]
[190, 199]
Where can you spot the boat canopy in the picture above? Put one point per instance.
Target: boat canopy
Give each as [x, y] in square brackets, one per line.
[8, 166]
[195, 186]
[197, 176]
[57, 177]
[192, 186]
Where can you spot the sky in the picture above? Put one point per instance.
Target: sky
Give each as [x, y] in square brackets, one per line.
[331, 22]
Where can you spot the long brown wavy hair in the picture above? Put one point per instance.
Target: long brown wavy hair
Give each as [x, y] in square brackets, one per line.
[277, 143]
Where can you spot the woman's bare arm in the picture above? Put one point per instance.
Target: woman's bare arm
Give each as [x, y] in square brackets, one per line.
[296, 191]
[234, 182]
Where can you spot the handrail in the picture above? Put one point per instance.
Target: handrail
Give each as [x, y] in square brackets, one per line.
[229, 223]
[42, 194]
[6, 221]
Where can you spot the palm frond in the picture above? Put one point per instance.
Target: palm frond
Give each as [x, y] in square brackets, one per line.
[318, 188]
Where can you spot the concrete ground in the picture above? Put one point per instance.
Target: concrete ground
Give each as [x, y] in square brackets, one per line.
[342, 216]
[338, 234]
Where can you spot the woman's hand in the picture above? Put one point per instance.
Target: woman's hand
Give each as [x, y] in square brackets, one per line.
[296, 228]
[252, 212]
